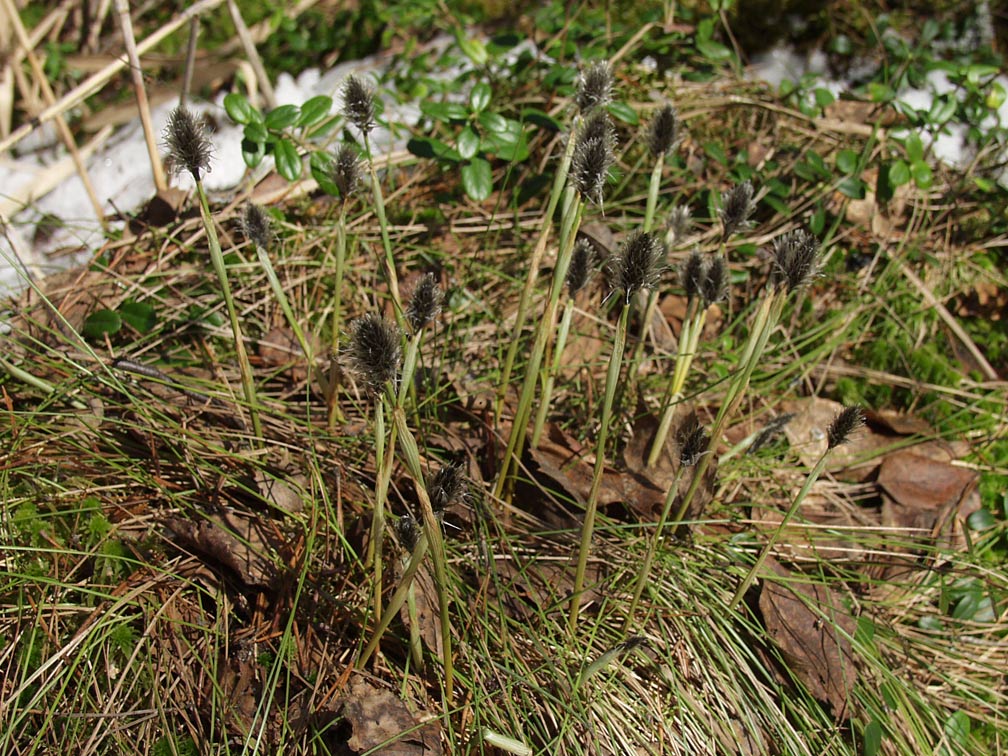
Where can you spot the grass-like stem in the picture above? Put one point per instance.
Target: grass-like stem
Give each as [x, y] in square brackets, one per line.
[217, 259]
[588, 526]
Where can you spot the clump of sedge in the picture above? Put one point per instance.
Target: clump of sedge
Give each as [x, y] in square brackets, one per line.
[374, 351]
[358, 103]
[737, 205]
[594, 86]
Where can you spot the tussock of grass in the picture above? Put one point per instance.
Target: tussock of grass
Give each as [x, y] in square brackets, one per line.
[177, 581]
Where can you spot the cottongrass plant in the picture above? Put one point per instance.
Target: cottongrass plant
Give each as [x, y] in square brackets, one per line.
[359, 109]
[704, 278]
[796, 259]
[844, 425]
[255, 224]
[637, 267]
[374, 339]
[189, 150]
[594, 91]
[589, 171]
[344, 171]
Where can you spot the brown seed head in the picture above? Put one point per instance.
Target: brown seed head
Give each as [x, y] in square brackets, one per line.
[594, 86]
[663, 134]
[693, 441]
[639, 263]
[446, 486]
[345, 171]
[255, 224]
[374, 351]
[692, 273]
[847, 421]
[358, 104]
[189, 147]
[796, 258]
[581, 264]
[680, 224]
[425, 302]
[715, 283]
[737, 206]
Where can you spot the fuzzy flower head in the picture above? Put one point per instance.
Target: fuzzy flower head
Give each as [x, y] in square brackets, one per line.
[639, 264]
[446, 487]
[345, 171]
[358, 104]
[581, 264]
[594, 86]
[189, 146]
[425, 303]
[693, 441]
[255, 224]
[847, 421]
[680, 224]
[374, 352]
[796, 258]
[408, 532]
[737, 205]
[692, 273]
[664, 131]
[593, 156]
[715, 281]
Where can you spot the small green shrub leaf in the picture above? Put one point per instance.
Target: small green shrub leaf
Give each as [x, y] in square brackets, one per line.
[239, 109]
[320, 164]
[139, 315]
[957, 729]
[288, 162]
[468, 143]
[477, 179]
[444, 111]
[493, 122]
[314, 110]
[852, 187]
[253, 152]
[255, 132]
[847, 161]
[942, 109]
[922, 175]
[541, 118]
[433, 149]
[899, 173]
[101, 322]
[281, 117]
[914, 147]
[982, 519]
[623, 112]
[479, 98]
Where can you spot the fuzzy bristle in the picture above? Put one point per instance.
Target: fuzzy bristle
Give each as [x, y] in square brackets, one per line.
[446, 487]
[255, 224]
[593, 156]
[663, 134]
[796, 256]
[345, 171]
[680, 224]
[848, 420]
[737, 206]
[425, 302]
[189, 147]
[693, 441]
[581, 264]
[408, 532]
[358, 103]
[692, 273]
[715, 282]
[374, 351]
[594, 86]
[639, 263]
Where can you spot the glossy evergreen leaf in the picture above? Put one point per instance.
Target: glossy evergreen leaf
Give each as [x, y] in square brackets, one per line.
[477, 179]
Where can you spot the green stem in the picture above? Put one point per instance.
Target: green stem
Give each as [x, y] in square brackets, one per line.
[390, 269]
[645, 570]
[284, 303]
[559, 181]
[519, 427]
[217, 258]
[551, 372]
[588, 527]
[775, 536]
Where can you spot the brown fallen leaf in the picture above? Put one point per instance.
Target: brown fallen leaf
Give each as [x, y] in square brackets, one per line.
[927, 497]
[382, 724]
[240, 543]
[811, 627]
